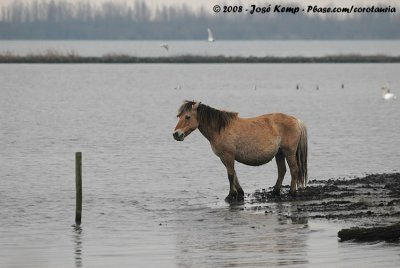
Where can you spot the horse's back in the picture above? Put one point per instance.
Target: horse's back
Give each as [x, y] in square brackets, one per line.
[288, 125]
[268, 126]
[272, 129]
[275, 122]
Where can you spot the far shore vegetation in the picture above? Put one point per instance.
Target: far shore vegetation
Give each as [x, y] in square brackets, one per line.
[56, 57]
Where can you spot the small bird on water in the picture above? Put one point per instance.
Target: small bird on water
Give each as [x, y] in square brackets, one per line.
[386, 94]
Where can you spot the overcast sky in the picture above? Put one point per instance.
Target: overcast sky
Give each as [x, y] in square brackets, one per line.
[210, 3]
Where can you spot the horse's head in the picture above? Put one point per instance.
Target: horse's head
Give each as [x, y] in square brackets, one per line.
[188, 122]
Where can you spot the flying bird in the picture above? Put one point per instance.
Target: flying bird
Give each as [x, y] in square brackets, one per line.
[210, 36]
[164, 46]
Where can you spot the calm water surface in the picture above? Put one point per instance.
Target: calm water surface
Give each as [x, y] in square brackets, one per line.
[151, 201]
[203, 48]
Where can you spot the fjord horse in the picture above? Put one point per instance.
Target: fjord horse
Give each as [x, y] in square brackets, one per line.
[251, 141]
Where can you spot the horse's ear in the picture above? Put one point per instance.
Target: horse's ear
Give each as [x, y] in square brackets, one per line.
[195, 106]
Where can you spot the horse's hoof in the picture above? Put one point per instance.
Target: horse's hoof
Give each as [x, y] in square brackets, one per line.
[240, 195]
[234, 198]
[230, 198]
[276, 192]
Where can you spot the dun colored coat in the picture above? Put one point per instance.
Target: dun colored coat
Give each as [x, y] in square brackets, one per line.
[251, 141]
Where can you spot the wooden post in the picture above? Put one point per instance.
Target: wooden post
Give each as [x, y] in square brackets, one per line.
[78, 183]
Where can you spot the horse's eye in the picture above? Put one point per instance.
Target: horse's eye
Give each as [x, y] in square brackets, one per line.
[187, 117]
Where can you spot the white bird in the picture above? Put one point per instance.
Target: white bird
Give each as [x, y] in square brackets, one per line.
[255, 87]
[386, 94]
[178, 87]
[164, 46]
[210, 36]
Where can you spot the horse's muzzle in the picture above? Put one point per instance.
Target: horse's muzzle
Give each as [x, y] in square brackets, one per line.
[179, 135]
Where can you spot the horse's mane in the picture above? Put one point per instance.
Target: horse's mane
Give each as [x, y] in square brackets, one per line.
[208, 116]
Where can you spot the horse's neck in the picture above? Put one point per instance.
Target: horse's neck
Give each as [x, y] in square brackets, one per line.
[207, 132]
[211, 128]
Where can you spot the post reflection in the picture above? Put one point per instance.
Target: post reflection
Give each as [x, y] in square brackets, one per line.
[77, 237]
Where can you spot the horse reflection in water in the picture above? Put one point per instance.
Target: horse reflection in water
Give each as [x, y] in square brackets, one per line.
[251, 141]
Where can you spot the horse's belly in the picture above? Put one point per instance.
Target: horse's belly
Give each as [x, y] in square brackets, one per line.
[256, 150]
[254, 159]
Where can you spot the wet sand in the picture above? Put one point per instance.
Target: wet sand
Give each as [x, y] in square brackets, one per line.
[370, 201]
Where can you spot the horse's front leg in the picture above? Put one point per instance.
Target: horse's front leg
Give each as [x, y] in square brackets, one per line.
[236, 192]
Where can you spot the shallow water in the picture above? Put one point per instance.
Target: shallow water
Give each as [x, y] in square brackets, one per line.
[149, 200]
[227, 48]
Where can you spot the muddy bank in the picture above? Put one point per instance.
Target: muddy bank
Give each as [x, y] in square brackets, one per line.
[370, 201]
[390, 233]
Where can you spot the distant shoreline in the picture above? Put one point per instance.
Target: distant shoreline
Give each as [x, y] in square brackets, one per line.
[54, 58]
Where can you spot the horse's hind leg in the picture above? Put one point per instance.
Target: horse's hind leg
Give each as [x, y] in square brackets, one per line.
[236, 192]
[294, 171]
[280, 162]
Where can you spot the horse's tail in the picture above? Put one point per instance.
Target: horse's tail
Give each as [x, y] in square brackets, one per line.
[301, 156]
